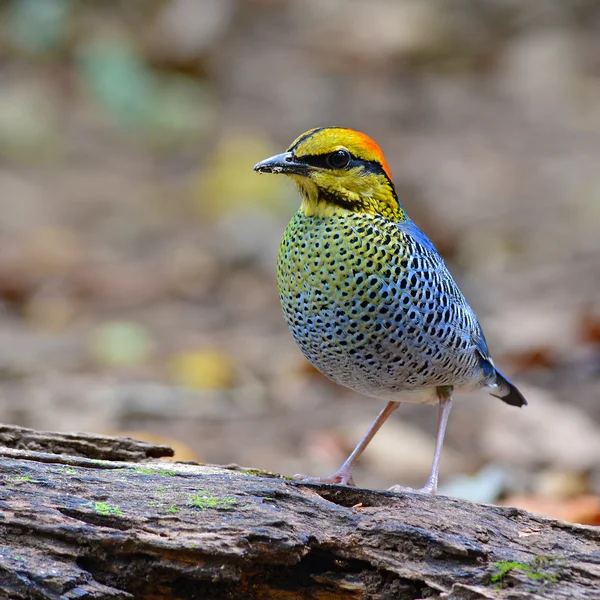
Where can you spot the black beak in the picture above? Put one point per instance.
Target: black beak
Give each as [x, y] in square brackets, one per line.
[281, 163]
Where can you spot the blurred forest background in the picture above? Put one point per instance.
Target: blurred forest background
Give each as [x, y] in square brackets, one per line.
[137, 246]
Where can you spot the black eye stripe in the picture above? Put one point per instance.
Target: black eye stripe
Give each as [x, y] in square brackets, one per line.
[320, 161]
[372, 166]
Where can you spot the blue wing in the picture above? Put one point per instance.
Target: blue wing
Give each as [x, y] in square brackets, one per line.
[465, 322]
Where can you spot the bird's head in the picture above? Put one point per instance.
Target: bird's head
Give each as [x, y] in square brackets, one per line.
[338, 170]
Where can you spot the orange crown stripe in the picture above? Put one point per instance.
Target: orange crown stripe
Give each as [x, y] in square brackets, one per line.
[371, 147]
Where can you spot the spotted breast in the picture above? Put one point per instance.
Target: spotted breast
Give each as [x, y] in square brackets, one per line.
[371, 304]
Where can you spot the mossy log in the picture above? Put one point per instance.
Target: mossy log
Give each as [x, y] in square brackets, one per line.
[87, 524]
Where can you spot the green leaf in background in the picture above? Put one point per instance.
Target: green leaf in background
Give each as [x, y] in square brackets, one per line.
[38, 25]
[114, 72]
[30, 126]
[183, 110]
[120, 343]
[166, 110]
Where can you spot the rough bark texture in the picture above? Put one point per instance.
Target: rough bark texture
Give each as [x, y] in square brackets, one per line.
[79, 526]
[88, 445]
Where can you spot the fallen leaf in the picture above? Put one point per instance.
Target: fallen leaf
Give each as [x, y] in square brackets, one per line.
[202, 370]
[583, 509]
[589, 327]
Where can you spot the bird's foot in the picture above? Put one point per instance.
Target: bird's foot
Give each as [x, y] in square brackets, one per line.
[428, 488]
[339, 477]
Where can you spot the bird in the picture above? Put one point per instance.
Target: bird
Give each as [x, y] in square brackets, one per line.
[367, 297]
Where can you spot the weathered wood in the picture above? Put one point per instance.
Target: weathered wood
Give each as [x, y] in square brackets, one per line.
[90, 445]
[77, 527]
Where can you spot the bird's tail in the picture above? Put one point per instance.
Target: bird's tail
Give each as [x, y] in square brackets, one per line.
[507, 391]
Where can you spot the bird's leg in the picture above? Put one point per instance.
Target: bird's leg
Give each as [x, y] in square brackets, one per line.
[343, 475]
[445, 395]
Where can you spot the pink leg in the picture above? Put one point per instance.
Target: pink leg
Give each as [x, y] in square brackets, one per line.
[343, 475]
[445, 396]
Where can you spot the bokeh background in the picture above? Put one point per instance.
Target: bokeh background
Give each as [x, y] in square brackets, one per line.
[137, 246]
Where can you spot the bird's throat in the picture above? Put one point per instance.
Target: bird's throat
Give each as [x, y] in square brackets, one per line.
[321, 203]
[316, 203]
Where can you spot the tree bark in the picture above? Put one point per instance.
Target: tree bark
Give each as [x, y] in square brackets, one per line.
[86, 516]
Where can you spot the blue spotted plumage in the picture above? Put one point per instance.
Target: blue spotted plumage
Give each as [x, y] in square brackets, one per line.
[380, 323]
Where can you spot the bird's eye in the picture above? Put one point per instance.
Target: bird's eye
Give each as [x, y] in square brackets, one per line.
[339, 159]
